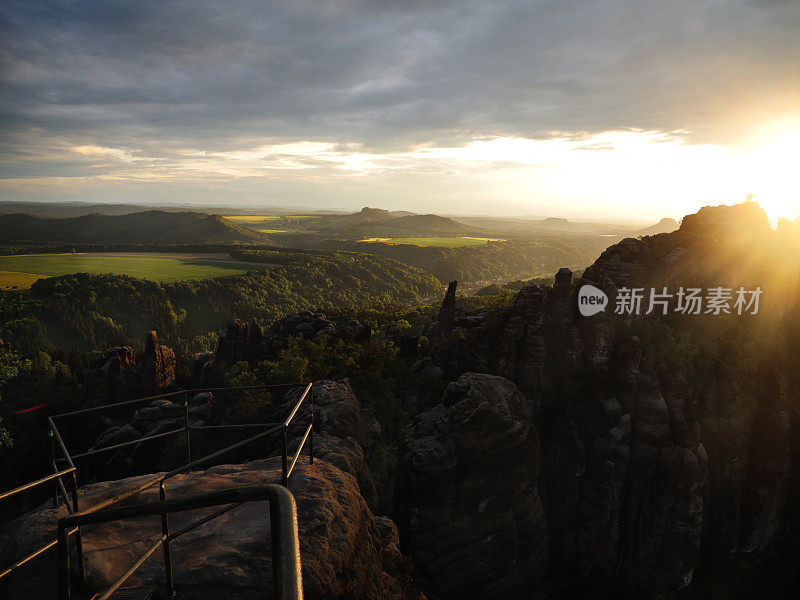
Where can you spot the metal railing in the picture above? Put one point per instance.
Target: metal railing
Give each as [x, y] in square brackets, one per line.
[286, 573]
[62, 541]
[72, 507]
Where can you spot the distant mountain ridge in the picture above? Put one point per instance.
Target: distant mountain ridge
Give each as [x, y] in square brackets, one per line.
[380, 222]
[665, 225]
[148, 227]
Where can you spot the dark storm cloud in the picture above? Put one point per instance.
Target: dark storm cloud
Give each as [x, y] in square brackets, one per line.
[156, 76]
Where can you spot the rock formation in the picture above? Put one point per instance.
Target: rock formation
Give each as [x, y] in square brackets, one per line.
[346, 551]
[159, 366]
[111, 376]
[471, 515]
[669, 447]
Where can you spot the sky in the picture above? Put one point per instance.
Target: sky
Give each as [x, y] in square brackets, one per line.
[596, 108]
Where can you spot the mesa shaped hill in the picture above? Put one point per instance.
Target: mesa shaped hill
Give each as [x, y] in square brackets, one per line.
[665, 225]
[423, 225]
[153, 226]
[365, 216]
[375, 222]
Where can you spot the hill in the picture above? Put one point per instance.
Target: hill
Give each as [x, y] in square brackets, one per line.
[154, 226]
[377, 222]
[365, 216]
[421, 225]
[665, 225]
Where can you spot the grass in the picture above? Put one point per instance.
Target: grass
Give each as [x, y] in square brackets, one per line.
[23, 269]
[245, 219]
[14, 280]
[447, 242]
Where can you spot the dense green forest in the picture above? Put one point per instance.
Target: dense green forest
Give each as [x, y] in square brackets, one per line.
[515, 259]
[148, 227]
[83, 311]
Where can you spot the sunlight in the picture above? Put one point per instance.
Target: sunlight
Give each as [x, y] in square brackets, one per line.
[770, 170]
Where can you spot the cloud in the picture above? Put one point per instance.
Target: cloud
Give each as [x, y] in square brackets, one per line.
[150, 79]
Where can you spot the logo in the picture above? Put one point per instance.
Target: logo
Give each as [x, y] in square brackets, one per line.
[591, 300]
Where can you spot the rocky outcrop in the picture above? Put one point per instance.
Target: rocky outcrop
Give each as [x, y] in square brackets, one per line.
[239, 342]
[154, 418]
[111, 376]
[247, 342]
[346, 552]
[471, 515]
[304, 324]
[342, 549]
[159, 366]
[669, 446]
[342, 430]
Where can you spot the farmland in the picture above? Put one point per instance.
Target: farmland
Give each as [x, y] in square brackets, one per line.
[443, 242]
[22, 270]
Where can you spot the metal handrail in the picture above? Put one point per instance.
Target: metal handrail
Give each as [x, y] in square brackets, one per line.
[73, 508]
[174, 394]
[57, 476]
[33, 484]
[286, 571]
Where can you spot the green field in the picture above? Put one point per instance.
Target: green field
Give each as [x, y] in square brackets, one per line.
[447, 242]
[21, 269]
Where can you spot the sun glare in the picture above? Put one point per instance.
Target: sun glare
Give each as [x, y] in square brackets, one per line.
[770, 171]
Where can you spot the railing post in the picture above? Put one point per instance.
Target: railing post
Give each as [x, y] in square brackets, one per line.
[186, 425]
[275, 542]
[311, 433]
[53, 460]
[167, 550]
[284, 470]
[63, 564]
[78, 541]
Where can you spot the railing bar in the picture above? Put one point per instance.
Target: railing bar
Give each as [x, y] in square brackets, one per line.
[171, 394]
[36, 553]
[248, 493]
[118, 583]
[60, 441]
[299, 449]
[297, 406]
[204, 520]
[238, 425]
[128, 443]
[32, 484]
[178, 471]
[67, 501]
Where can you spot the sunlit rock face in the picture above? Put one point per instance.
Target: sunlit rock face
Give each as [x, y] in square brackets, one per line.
[159, 366]
[471, 515]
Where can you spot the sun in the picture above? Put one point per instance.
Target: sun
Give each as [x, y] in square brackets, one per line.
[770, 171]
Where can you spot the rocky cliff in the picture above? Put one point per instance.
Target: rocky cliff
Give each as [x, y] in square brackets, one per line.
[668, 441]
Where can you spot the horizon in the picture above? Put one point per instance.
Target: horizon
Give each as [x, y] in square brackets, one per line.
[465, 109]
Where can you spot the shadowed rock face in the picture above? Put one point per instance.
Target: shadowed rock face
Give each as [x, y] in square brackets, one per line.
[240, 341]
[471, 515]
[111, 376]
[656, 476]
